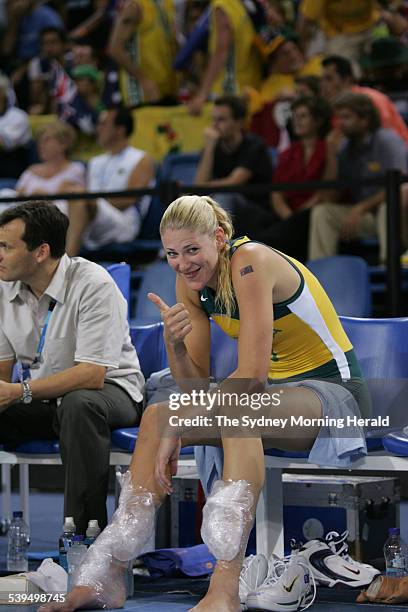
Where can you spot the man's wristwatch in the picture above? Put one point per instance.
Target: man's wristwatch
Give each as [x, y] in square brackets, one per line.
[27, 396]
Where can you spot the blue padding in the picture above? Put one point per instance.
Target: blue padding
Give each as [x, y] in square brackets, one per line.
[374, 444]
[39, 447]
[276, 452]
[224, 354]
[149, 345]
[120, 272]
[397, 443]
[158, 278]
[45, 554]
[125, 439]
[180, 167]
[346, 281]
[381, 346]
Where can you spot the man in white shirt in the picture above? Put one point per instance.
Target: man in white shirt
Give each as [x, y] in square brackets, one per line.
[96, 223]
[63, 324]
[15, 134]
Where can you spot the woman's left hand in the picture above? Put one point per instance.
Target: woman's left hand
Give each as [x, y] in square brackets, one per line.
[167, 460]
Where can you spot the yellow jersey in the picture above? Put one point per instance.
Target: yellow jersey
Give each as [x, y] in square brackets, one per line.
[308, 338]
[243, 66]
[341, 16]
[153, 49]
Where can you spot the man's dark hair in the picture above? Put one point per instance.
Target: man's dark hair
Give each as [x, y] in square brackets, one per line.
[362, 106]
[124, 118]
[53, 30]
[311, 81]
[44, 223]
[238, 106]
[342, 64]
[319, 109]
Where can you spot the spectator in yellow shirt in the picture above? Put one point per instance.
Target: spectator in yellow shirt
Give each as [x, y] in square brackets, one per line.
[346, 24]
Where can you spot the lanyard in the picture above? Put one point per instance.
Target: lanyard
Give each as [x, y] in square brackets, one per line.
[24, 373]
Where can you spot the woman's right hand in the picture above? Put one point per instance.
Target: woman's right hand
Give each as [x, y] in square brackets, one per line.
[176, 319]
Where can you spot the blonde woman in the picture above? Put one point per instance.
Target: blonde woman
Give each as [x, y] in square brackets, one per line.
[56, 173]
[288, 332]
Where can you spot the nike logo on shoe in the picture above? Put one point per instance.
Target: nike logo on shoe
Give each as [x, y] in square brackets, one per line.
[290, 587]
[203, 299]
[356, 572]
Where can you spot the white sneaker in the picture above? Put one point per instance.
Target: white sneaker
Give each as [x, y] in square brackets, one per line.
[253, 574]
[290, 586]
[329, 568]
[338, 543]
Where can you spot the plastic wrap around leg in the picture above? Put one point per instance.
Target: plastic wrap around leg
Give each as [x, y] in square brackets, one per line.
[226, 513]
[104, 566]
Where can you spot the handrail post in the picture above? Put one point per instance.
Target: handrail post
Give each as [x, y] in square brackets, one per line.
[393, 200]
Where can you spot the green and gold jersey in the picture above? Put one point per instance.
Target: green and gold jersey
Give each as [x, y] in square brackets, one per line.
[308, 338]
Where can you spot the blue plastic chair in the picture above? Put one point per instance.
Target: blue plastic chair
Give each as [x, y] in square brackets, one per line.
[120, 272]
[346, 280]
[180, 167]
[158, 278]
[7, 183]
[381, 346]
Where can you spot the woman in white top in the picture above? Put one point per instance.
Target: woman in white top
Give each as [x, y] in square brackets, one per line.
[55, 173]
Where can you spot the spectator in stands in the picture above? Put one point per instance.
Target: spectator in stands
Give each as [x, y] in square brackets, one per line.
[26, 20]
[41, 68]
[286, 62]
[232, 156]
[347, 25]
[15, 135]
[337, 78]
[83, 108]
[89, 21]
[387, 63]
[21, 41]
[143, 44]
[234, 62]
[85, 377]
[304, 160]
[308, 85]
[368, 151]
[95, 223]
[56, 173]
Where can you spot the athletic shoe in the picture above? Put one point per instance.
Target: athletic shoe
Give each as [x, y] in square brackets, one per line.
[329, 568]
[253, 574]
[338, 543]
[289, 586]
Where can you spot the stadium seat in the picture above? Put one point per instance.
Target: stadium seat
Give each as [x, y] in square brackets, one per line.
[158, 278]
[345, 278]
[381, 346]
[120, 272]
[180, 167]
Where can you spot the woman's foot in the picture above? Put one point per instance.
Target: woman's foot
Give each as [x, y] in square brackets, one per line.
[218, 602]
[109, 593]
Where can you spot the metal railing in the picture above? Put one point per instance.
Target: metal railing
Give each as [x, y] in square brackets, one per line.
[167, 191]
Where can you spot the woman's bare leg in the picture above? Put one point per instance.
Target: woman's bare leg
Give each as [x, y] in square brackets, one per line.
[244, 460]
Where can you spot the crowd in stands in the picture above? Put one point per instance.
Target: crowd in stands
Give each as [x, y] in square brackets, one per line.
[315, 80]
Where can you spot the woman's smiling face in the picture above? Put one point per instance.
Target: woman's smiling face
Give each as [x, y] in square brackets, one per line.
[194, 256]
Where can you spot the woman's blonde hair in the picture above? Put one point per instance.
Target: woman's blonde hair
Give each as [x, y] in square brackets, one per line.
[62, 132]
[203, 215]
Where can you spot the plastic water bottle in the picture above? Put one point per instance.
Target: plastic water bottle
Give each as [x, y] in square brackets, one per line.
[65, 541]
[92, 532]
[18, 541]
[396, 554]
[75, 555]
